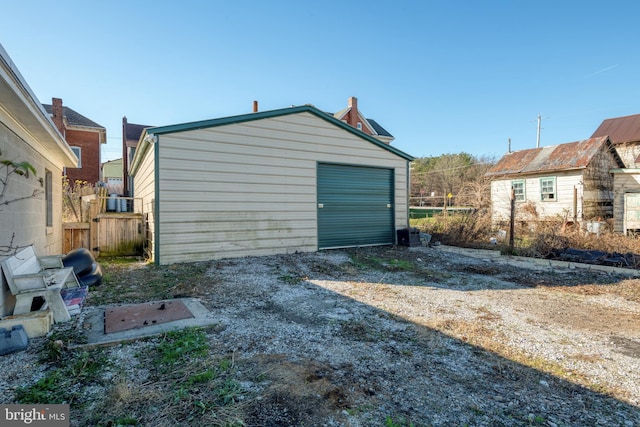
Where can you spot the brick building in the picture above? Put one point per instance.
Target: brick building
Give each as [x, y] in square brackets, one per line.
[354, 118]
[84, 136]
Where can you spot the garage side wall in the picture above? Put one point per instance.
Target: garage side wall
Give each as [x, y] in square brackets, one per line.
[144, 188]
[250, 188]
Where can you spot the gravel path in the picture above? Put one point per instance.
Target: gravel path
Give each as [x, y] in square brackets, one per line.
[417, 336]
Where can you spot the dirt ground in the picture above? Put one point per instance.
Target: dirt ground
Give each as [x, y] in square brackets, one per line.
[398, 336]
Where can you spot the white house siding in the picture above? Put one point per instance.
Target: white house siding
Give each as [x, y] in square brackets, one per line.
[624, 181]
[250, 188]
[562, 207]
[628, 152]
[23, 222]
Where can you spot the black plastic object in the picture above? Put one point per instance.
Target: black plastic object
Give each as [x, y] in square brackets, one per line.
[81, 260]
[409, 236]
[94, 278]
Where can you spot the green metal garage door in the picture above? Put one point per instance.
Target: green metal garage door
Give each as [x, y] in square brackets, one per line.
[355, 206]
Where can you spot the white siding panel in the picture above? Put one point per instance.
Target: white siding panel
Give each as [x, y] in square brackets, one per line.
[561, 207]
[625, 181]
[250, 188]
[23, 222]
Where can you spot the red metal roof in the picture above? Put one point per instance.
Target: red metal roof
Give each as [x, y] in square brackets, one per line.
[620, 129]
[572, 155]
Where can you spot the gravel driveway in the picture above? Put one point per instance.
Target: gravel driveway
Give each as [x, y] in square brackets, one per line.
[418, 336]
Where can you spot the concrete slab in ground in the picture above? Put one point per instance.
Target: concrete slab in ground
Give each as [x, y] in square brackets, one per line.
[535, 263]
[93, 323]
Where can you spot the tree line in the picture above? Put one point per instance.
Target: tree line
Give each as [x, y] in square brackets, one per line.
[450, 179]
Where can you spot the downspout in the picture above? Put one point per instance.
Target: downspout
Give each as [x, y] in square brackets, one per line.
[156, 202]
[408, 193]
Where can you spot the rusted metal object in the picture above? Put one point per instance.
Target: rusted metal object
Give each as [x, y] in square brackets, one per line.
[620, 129]
[573, 155]
[117, 319]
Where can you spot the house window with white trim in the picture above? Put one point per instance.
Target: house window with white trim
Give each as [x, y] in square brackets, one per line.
[548, 189]
[518, 190]
[78, 152]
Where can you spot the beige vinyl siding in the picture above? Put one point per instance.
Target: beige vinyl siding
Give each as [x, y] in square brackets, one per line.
[250, 188]
[144, 189]
[561, 207]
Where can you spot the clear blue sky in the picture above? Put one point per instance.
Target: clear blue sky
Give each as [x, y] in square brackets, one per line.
[441, 76]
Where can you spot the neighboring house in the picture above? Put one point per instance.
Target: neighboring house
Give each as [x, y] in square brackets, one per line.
[111, 176]
[571, 181]
[27, 134]
[353, 117]
[84, 136]
[280, 181]
[624, 133]
[130, 135]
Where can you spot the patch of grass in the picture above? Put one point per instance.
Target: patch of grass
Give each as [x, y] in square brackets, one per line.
[225, 364]
[187, 384]
[536, 420]
[399, 265]
[202, 377]
[46, 390]
[125, 421]
[119, 260]
[128, 280]
[61, 384]
[228, 392]
[179, 345]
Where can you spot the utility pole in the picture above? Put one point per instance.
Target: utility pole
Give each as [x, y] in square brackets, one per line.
[538, 137]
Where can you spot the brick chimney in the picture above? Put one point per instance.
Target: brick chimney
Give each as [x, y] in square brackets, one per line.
[352, 118]
[58, 117]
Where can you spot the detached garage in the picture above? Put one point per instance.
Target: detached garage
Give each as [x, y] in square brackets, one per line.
[280, 181]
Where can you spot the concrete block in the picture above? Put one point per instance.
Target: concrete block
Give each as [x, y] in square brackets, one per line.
[35, 323]
[12, 340]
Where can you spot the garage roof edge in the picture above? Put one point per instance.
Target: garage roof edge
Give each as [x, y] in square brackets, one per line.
[183, 127]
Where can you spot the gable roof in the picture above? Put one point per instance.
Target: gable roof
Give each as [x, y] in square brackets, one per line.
[74, 118]
[620, 129]
[270, 114]
[569, 156]
[370, 123]
[379, 129]
[133, 131]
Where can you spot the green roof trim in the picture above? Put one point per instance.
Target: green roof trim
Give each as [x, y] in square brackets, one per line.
[203, 124]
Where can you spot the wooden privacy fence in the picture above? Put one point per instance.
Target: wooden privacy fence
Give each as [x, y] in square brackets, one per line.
[106, 233]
